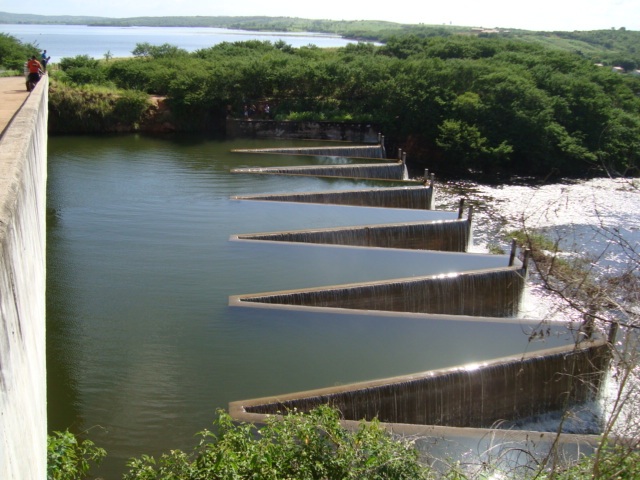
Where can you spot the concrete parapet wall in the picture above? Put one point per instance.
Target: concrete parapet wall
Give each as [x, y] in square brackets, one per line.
[23, 172]
[342, 131]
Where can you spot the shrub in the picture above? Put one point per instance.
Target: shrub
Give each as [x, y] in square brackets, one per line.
[130, 106]
[79, 61]
[85, 76]
[70, 459]
[300, 446]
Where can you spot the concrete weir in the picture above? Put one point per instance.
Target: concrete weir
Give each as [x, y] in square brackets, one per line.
[395, 197]
[468, 409]
[352, 151]
[486, 293]
[390, 171]
[447, 236]
[479, 396]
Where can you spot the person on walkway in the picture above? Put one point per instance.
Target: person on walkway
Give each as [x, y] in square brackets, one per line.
[44, 60]
[35, 70]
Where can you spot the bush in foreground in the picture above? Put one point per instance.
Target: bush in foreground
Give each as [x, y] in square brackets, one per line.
[70, 459]
[297, 446]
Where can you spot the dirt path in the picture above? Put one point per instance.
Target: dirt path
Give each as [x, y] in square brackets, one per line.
[13, 93]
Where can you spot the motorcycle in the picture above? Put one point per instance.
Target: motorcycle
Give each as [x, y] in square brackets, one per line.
[32, 81]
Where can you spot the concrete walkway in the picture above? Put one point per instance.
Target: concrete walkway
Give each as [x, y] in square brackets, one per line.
[13, 93]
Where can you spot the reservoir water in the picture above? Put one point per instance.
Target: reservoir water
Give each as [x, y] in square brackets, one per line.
[62, 41]
[142, 344]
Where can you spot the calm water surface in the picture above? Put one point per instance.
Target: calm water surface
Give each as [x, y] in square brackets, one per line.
[62, 41]
[142, 345]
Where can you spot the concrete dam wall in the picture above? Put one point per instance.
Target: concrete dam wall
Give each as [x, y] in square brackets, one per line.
[23, 173]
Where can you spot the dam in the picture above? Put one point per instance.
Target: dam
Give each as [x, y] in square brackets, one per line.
[153, 249]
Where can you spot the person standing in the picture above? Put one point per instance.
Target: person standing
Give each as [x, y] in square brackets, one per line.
[35, 69]
[44, 60]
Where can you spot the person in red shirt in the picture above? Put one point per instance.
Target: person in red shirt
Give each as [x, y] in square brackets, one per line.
[35, 69]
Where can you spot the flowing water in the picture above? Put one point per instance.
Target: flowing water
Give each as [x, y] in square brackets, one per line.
[142, 344]
[450, 236]
[596, 220]
[583, 216]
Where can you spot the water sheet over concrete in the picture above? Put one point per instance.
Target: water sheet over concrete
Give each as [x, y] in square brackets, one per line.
[399, 197]
[393, 171]
[487, 293]
[448, 236]
[478, 396]
[352, 151]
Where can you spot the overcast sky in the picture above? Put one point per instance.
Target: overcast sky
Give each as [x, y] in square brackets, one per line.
[530, 15]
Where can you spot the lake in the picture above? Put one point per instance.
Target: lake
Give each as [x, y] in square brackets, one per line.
[62, 41]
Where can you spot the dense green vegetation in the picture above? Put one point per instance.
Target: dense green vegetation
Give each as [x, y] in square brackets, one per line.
[457, 104]
[69, 458]
[14, 53]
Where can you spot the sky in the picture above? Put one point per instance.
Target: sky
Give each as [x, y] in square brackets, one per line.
[541, 15]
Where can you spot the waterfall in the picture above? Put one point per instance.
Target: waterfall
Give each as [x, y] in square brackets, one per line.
[393, 171]
[448, 236]
[506, 389]
[400, 197]
[490, 293]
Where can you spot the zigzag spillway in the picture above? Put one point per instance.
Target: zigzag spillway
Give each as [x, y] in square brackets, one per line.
[503, 389]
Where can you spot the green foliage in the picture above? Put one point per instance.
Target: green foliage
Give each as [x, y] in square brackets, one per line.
[300, 446]
[157, 51]
[87, 109]
[81, 70]
[130, 106]
[70, 459]
[79, 61]
[13, 53]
